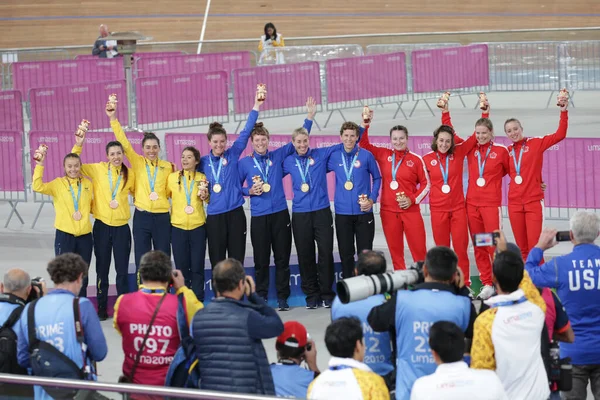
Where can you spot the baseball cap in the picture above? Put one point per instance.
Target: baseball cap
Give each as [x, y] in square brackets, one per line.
[294, 335]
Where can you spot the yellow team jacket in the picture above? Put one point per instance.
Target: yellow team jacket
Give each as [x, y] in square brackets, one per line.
[142, 184]
[176, 190]
[63, 201]
[98, 173]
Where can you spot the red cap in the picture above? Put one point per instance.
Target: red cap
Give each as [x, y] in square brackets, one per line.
[294, 335]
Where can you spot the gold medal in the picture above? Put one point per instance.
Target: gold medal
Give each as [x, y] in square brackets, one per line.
[348, 185]
[188, 209]
[304, 187]
[217, 188]
[153, 196]
[77, 216]
[266, 187]
[113, 204]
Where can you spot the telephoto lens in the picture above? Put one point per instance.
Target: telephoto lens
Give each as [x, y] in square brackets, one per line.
[565, 383]
[362, 286]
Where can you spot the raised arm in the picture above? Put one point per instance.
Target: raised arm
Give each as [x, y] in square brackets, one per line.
[86, 169]
[132, 156]
[37, 183]
[242, 141]
[447, 120]
[289, 149]
[561, 133]
[264, 323]
[545, 275]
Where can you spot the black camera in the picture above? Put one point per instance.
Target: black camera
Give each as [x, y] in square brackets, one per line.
[36, 283]
[561, 369]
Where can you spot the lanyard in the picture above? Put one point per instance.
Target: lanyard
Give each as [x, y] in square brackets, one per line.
[153, 291]
[188, 193]
[265, 175]
[518, 163]
[509, 303]
[444, 173]
[347, 170]
[75, 201]
[338, 367]
[114, 190]
[394, 166]
[212, 168]
[152, 180]
[303, 172]
[482, 166]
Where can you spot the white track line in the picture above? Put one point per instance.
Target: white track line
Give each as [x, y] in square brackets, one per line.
[204, 26]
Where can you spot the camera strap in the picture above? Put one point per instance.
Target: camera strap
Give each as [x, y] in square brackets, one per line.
[12, 299]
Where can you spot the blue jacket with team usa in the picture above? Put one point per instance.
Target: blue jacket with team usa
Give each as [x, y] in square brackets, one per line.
[358, 167]
[269, 167]
[224, 171]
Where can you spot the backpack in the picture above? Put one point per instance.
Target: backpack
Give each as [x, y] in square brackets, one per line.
[184, 371]
[49, 362]
[8, 345]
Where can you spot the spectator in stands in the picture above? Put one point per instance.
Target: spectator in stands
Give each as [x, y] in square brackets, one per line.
[347, 372]
[54, 318]
[105, 48]
[267, 42]
[378, 347]
[311, 217]
[575, 276]
[405, 172]
[188, 219]
[453, 380]
[270, 221]
[111, 218]
[442, 297]
[225, 218]
[507, 336]
[72, 199]
[355, 168]
[147, 320]
[294, 346]
[228, 332]
[151, 221]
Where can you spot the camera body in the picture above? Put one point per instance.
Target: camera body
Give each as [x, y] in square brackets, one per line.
[485, 239]
[36, 283]
[561, 369]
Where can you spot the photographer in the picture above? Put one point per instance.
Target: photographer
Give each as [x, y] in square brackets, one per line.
[575, 276]
[294, 346]
[378, 350]
[411, 313]
[228, 332]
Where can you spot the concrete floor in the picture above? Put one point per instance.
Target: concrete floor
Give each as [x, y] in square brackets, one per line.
[30, 249]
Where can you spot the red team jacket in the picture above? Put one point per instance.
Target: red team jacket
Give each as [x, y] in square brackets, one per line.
[531, 163]
[410, 174]
[454, 200]
[496, 166]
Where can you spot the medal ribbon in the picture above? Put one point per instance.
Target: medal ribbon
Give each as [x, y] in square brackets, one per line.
[265, 174]
[444, 173]
[110, 182]
[394, 166]
[346, 170]
[188, 192]
[482, 166]
[303, 172]
[152, 180]
[212, 167]
[518, 164]
[75, 200]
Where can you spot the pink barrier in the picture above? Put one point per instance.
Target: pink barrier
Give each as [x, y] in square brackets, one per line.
[450, 68]
[181, 97]
[186, 64]
[11, 161]
[11, 111]
[28, 75]
[366, 77]
[62, 108]
[176, 142]
[288, 86]
[60, 144]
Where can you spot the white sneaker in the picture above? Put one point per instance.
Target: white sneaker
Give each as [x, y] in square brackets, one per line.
[486, 292]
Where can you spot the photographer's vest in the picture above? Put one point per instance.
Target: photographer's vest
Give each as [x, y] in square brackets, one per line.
[416, 311]
[378, 347]
[133, 313]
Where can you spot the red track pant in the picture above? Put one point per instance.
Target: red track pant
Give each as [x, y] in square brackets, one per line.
[484, 220]
[453, 224]
[395, 226]
[526, 221]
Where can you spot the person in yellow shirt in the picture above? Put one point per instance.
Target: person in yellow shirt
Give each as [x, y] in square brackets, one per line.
[72, 199]
[267, 42]
[112, 184]
[187, 189]
[151, 222]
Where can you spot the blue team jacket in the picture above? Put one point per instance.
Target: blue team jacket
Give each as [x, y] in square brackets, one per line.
[230, 196]
[274, 200]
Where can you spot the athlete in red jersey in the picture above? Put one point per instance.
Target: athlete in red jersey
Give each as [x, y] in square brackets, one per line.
[487, 164]
[401, 171]
[525, 194]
